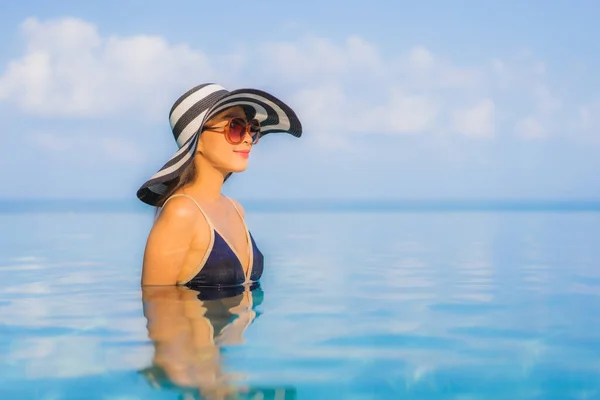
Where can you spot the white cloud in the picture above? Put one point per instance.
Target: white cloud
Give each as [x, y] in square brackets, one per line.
[421, 58]
[530, 128]
[70, 70]
[546, 101]
[329, 109]
[401, 113]
[476, 121]
[319, 103]
[350, 86]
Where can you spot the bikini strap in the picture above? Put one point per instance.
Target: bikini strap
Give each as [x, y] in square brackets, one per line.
[236, 208]
[195, 202]
[248, 239]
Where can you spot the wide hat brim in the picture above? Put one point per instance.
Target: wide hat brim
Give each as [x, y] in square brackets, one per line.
[273, 114]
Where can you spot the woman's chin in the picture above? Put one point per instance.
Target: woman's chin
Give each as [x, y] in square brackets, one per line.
[237, 168]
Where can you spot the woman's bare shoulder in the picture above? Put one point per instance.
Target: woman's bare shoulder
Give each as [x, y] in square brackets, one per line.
[180, 216]
[180, 209]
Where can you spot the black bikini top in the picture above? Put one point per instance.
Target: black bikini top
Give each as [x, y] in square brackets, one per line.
[221, 266]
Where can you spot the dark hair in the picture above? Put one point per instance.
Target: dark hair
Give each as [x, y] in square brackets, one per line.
[187, 176]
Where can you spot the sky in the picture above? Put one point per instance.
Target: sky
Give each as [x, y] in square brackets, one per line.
[398, 100]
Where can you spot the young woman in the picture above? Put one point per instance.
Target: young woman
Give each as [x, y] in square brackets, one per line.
[199, 237]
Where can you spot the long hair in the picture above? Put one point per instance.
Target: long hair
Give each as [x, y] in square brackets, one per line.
[187, 176]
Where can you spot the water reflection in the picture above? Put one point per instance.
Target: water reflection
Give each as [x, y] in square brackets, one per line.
[189, 329]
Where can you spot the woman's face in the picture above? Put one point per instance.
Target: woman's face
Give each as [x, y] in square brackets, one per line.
[221, 154]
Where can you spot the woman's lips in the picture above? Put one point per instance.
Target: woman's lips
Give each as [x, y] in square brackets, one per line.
[243, 153]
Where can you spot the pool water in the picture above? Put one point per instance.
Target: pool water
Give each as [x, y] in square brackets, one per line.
[352, 305]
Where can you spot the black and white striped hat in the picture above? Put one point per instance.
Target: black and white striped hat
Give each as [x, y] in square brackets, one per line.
[198, 105]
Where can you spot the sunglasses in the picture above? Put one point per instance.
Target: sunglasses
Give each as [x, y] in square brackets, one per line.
[236, 129]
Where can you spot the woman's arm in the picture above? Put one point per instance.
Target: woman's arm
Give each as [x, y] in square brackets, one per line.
[169, 242]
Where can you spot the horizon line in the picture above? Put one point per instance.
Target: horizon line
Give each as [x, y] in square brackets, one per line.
[344, 199]
[120, 205]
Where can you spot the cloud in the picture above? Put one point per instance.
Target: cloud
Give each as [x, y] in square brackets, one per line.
[351, 87]
[68, 70]
[421, 58]
[546, 102]
[476, 121]
[402, 112]
[530, 128]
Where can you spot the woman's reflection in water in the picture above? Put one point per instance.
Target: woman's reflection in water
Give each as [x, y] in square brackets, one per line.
[188, 327]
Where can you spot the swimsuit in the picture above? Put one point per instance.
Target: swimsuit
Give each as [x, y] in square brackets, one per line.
[220, 265]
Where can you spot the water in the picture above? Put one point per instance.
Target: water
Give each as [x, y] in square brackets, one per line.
[488, 304]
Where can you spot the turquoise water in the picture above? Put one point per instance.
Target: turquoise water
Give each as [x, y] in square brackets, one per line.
[412, 303]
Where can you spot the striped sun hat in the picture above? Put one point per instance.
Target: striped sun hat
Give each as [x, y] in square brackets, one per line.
[191, 111]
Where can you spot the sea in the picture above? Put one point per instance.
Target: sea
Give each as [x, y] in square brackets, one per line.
[358, 300]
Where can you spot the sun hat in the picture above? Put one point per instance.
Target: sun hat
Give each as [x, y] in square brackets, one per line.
[190, 112]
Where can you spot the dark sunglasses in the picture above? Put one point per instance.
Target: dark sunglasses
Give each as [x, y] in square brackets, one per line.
[236, 129]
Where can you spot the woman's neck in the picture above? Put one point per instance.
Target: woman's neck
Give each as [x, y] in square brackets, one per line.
[208, 183]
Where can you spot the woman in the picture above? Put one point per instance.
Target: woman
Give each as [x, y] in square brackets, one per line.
[199, 237]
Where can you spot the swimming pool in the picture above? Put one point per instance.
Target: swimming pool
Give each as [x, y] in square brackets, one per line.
[352, 305]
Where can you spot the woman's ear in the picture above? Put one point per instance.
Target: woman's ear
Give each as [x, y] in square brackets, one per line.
[200, 145]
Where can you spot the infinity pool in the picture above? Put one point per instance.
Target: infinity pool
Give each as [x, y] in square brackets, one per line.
[352, 305]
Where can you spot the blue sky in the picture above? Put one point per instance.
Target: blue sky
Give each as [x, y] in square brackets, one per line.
[399, 100]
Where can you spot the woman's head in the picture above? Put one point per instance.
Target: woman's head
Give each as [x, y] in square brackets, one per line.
[210, 106]
[218, 148]
[226, 141]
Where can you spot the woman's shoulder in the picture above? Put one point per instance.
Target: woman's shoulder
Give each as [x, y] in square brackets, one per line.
[180, 206]
[181, 213]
